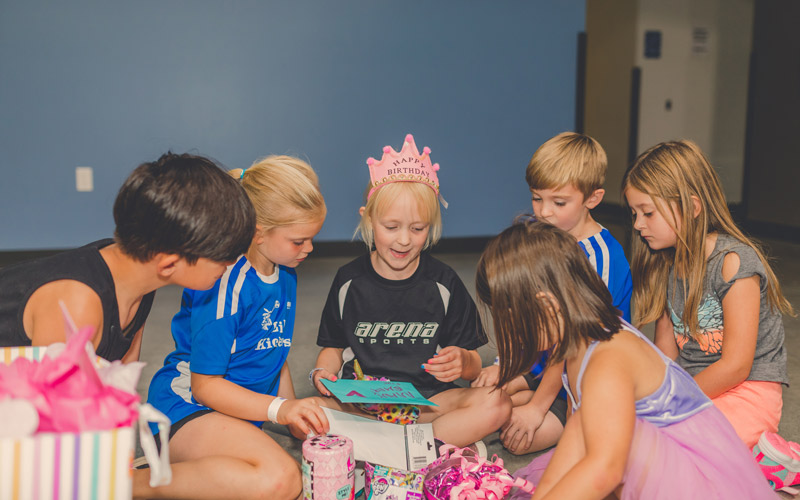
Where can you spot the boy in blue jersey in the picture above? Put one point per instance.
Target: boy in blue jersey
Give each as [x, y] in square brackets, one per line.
[566, 176]
[228, 373]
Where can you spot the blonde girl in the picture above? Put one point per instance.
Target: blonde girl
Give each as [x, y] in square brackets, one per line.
[709, 288]
[640, 426]
[403, 314]
[228, 373]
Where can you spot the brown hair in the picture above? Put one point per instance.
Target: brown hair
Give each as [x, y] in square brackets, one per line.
[672, 173]
[568, 159]
[543, 294]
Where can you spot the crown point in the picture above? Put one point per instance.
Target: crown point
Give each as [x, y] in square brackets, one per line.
[387, 149]
[426, 150]
[409, 137]
[435, 167]
[370, 161]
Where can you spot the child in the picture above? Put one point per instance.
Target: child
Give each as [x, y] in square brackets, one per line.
[167, 214]
[229, 365]
[565, 176]
[715, 300]
[640, 427]
[401, 313]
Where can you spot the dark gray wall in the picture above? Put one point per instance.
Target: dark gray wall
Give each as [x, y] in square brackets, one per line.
[610, 59]
[772, 173]
[112, 84]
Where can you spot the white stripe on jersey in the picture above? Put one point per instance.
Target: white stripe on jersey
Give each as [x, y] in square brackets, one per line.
[342, 295]
[237, 287]
[445, 293]
[591, 253]
[606, 264]
[589, 249]
[223, 287]
[182, 384]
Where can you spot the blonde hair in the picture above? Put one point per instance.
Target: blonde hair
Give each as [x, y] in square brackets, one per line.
[284, 190]
[378, 203]
[568, 159]
[672, 174]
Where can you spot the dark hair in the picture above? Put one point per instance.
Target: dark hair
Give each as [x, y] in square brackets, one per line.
[186, 205]
[537, 283]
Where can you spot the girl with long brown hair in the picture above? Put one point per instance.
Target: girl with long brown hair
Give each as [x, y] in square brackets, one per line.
[640, 427]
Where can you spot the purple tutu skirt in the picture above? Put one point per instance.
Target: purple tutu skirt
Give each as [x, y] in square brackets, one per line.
[700, 457]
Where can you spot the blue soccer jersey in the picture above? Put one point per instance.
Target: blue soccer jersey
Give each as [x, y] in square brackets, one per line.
[607, 257]
[240, 329]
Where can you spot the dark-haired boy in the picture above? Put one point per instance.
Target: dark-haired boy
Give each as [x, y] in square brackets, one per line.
[179, 220]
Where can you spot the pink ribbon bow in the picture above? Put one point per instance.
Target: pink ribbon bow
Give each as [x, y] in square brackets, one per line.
[460, 474]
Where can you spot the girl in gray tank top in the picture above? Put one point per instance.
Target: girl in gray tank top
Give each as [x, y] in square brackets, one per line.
[715, 300]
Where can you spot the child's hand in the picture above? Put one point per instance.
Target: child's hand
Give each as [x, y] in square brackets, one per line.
[517, 434]
[303, 416]
[316, 378]
[488, 377]
[448, 364]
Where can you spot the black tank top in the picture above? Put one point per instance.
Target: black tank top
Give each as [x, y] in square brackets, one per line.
[84, 264]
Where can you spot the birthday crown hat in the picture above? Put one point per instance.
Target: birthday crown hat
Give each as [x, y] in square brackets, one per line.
[406, 165]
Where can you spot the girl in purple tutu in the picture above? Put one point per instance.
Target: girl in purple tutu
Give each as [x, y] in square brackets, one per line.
[640, 426]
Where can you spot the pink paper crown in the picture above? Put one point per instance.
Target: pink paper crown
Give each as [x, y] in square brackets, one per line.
[404, 166]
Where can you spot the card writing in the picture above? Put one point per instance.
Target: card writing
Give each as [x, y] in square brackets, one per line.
[376, 391]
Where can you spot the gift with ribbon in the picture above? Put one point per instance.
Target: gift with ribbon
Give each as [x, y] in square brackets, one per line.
[67, 422]
[461, 474]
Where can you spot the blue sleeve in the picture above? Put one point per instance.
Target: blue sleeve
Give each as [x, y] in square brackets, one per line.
[212, 337]
[620, 283]
[608, 258]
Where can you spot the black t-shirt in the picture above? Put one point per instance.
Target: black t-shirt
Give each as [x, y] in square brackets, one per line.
[393, 326]
[84, 264]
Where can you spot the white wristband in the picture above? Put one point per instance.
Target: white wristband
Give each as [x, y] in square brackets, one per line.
[272, 411]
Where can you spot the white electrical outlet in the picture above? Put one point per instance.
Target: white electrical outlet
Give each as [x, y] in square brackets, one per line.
[84, 179]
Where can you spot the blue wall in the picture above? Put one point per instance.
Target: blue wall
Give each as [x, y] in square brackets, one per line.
[112, 84]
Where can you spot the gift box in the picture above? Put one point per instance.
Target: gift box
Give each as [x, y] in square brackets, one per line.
[407, 447]
[461, 474]
[9, 354]
[67, 422]
[67, 465]
[384, 483]
[64, 465]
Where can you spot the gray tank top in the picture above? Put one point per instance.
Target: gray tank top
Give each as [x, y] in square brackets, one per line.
[769, 362]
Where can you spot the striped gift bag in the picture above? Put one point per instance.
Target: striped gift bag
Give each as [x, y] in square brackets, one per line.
[9, 354]
[85, 465]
